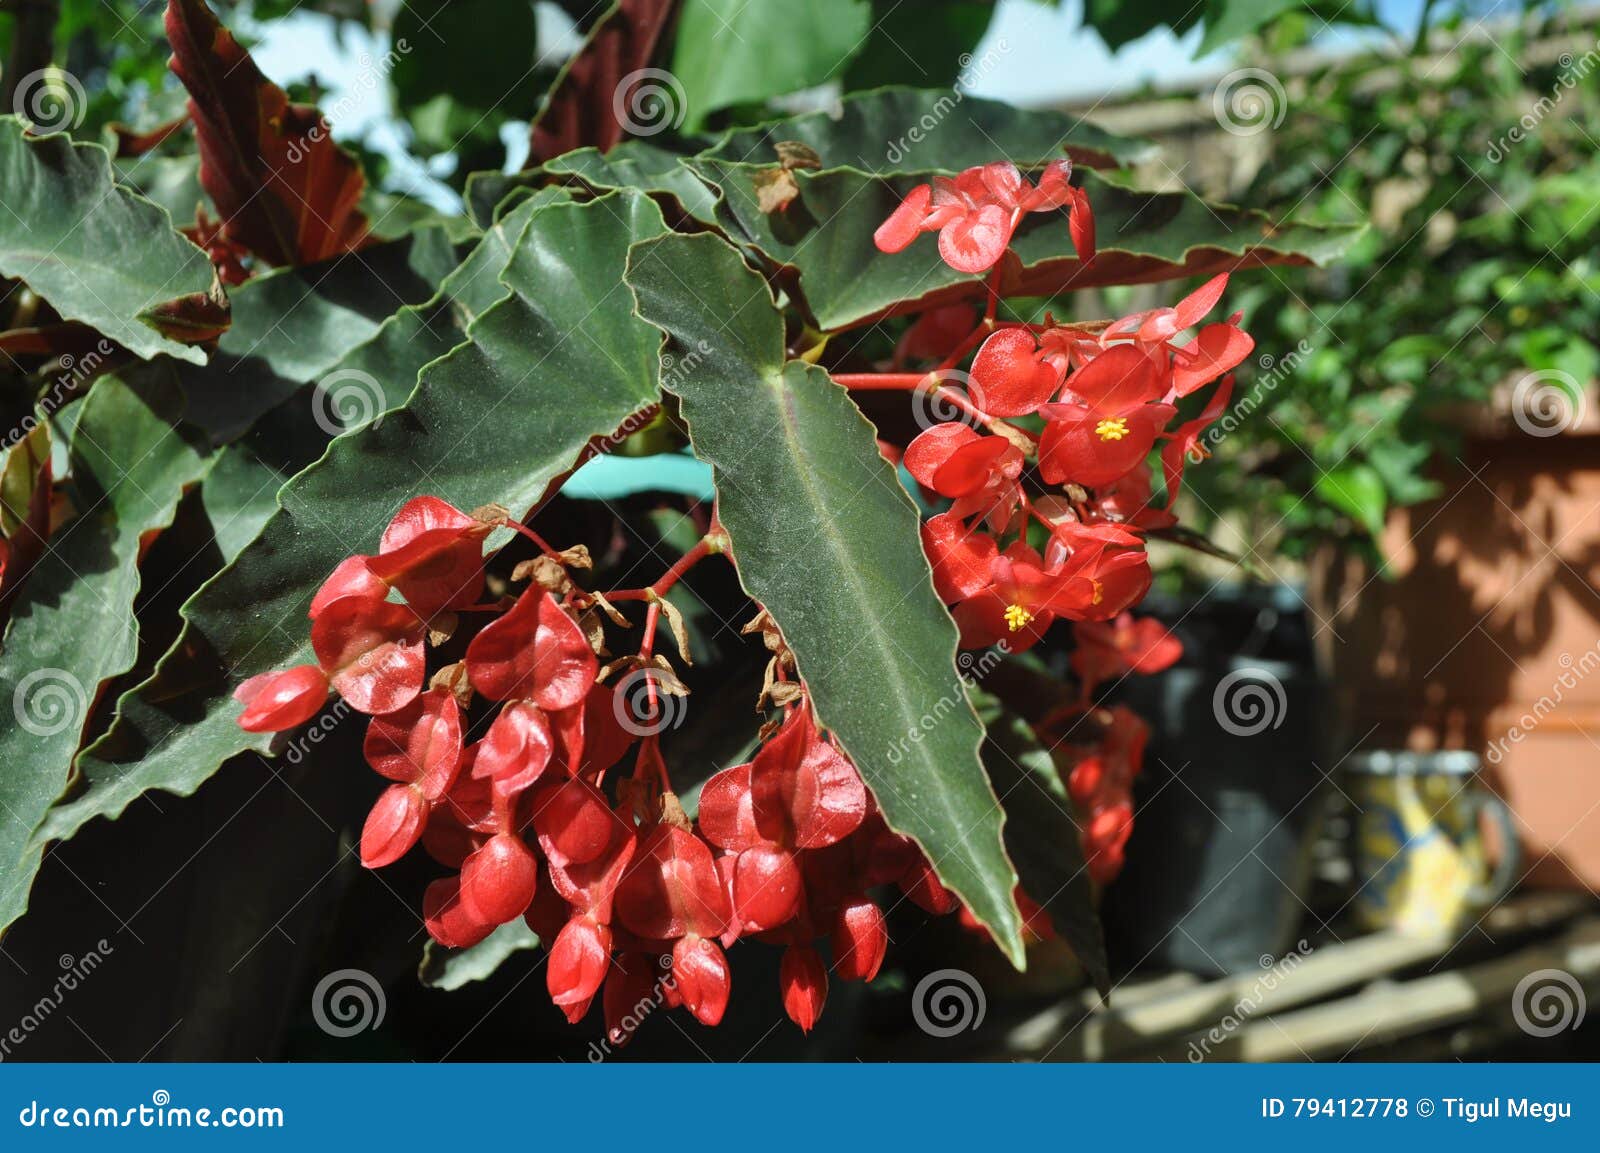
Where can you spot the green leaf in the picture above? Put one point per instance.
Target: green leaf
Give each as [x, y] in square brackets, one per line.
[894, 131]
[747, 51]
[1356, 489]
[72, 628]
[1042, 834]
[97, 252]
[826, 236]
[929, 45]
[558, 362]
[443, 968]
[825, 538]
[631, 164]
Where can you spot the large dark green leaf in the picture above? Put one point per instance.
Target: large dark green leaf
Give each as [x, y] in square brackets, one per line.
[1042, 834]
[97, 252]
[926, 45]
[825, 537]
[560, 361]
[826, 236]
[732, 52]
[72, 628]
[631, 164]
[897, 130]
[292, 326]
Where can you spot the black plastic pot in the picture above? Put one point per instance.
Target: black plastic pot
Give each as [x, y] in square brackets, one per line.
[1229, 797]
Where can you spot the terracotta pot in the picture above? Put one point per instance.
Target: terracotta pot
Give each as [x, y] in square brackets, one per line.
[1486, 636]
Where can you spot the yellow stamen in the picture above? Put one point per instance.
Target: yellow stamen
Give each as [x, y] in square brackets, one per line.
[1113, 428]
[1099, 593]
[1017, 617]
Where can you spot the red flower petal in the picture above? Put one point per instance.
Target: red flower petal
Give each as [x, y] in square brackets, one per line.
[579, 959]
[960, 556]
[498, 881]
[277, 701]
[727, 818]
[970, 468]
[804, 982]
[821, 799]
[1053, 191]
[372, 652]
[905, 223]
[536, 651]
[700, 971]
[592, 885]
[1192, 309]
[976, 240]
[516, 749]
[393, 826]
[672, 888]
[1080, 225]
[573, 821]
[1216, 349]
[447, 919]
[766, 887]
[1008, 376]
[420, 515]
[351, 579]
[932, 447]
[1121, 376]
[860, 939]
[419, 744]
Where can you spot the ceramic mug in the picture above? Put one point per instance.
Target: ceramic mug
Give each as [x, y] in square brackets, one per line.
[1420, 859]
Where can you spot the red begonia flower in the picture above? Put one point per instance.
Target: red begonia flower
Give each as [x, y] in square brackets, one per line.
[447, 919]
[499, 879]
[1011, 377]
[803, 980]
[431, 553]
[419, 744]
[573, 821]
[274, 702]
[860, 939]
[372, 651]
[393, 826]
[700, 972]
[1123, 645]
[516, 748]
[976, 212]
[535, 652]
[672, 888]
[1109, 429]
[579, 959]
[960, 557]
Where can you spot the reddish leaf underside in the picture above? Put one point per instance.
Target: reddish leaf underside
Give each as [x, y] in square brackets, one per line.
[285, 190]
[581, 107]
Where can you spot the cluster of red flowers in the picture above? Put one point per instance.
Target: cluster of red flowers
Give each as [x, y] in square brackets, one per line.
[784, 850]
[1087, 404]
